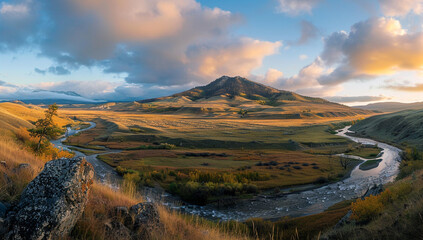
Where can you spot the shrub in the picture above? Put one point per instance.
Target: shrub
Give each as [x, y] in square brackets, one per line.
[366, 210]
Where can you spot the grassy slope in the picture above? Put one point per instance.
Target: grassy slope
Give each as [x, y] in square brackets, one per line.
[14, 116]
[400, 128]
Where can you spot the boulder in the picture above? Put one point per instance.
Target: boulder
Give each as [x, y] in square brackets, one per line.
[116, 230]
[52, 203]
[374, 190]
[146, 219]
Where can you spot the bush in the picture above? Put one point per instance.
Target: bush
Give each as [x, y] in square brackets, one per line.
[366, 210]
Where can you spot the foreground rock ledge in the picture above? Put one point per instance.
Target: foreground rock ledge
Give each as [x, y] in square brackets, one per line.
[52, 203]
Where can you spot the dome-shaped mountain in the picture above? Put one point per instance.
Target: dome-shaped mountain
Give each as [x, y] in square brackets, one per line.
[239, 86]
[228, 96]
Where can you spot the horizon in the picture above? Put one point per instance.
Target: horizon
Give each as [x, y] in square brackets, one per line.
[342, 51]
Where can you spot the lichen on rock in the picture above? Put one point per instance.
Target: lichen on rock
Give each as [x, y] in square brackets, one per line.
[52, 203]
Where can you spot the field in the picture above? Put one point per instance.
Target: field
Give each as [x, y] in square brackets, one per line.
[171, 148]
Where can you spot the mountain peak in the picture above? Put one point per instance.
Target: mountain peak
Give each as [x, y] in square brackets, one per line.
[231, 86]
[239, 86]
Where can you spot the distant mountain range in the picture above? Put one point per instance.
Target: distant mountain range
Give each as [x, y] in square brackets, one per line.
[40, 97]
[392, 106]
[227, 96]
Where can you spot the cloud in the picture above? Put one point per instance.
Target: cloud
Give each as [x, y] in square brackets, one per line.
[58, 70]
[272, 76]
[10, 92]
[18, 24]
[17, 9]
[162, 42]
[372, 48]
[415, 88]
[39, 71]
[235, 58]
[303, 57]
[296, 7]
[344, 99]
[308, 32]
[401, 7]
[305, 82]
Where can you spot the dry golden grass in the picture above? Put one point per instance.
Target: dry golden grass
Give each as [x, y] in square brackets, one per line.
[13, 116]
[15, 152]
[13, 182]
[179, 227]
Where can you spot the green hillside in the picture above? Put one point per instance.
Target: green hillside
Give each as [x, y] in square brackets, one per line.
[400, 127]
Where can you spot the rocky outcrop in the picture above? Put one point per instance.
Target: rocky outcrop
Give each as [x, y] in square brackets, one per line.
[52, 203]
[374, 190]
[146, 217]
[141, 220]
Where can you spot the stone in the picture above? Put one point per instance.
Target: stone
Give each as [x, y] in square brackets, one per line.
[146, 219]
[116, 230]
[52, 203]
[24, 165]
[3, 210]
[374, 190]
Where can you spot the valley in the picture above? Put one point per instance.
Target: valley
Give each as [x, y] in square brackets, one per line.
[226, 166]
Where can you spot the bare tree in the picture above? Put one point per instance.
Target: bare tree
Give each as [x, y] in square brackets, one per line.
[344, 162]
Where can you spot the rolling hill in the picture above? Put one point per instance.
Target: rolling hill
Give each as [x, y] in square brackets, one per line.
[14, 115]
[399, 127]
[392, 106]
[226, 96]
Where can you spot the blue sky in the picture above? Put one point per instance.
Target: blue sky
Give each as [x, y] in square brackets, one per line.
[350, 51]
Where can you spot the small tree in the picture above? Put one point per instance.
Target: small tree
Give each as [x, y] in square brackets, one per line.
[344, 162]
[242, 112]
[45, 128]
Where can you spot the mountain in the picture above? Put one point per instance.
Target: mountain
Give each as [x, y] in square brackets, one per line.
[227, 96]
[238, 86]
[391, 106]
[399, 127]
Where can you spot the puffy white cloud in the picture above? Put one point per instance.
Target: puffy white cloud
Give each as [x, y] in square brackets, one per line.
[305, 82]
[372, 48]
[235, 58]
[295, 7]
[272, 76]
[401, 7]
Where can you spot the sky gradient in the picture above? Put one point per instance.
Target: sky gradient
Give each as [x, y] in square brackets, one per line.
[348, 51]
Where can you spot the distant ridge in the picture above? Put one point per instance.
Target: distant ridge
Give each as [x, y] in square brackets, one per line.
[392, 106]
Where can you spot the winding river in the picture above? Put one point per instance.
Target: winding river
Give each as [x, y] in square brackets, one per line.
[295, 204]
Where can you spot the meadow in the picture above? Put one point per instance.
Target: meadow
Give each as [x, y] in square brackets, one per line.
[169, 148]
